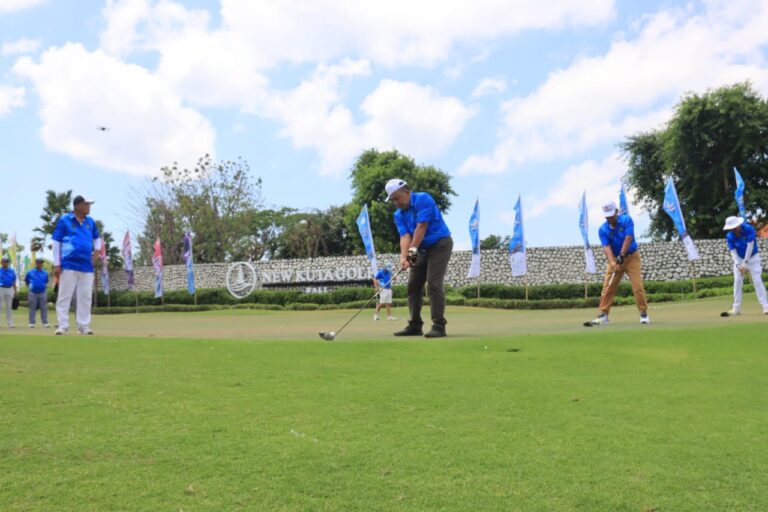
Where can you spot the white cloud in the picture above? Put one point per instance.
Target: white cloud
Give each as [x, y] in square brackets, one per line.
[149, 126]
[17, 5]
[10, 97]
[633, 86]
[142, 25]
[489, 86]
[601, 180]
[228, 66]
[414, 118]
[21, 46]
[380, 32]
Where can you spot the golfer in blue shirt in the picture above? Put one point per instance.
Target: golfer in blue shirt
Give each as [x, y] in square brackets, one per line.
[383, 281]
[37, 285]
[76, 244]
[7, 289]
[617, 235]
[425, 247]
[742, 244]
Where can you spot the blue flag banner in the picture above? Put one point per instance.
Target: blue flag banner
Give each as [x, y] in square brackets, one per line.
[364, 226]
[739, 194]
[517, 244]
[474, 235]
[589, 257]
[672, 207]
[623, 203]
[187, 255]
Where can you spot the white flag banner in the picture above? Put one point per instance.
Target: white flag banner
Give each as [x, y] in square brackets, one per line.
[589, 258]
[474, 266]
[690, 247]
[518, 263]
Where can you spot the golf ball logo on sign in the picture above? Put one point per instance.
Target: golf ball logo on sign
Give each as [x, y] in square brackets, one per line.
[241, 279]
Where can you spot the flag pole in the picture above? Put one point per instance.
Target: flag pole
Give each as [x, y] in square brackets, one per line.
[525, 282]
[693, 277]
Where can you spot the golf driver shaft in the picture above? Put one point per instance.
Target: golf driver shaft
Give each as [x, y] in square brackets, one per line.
[369, 302]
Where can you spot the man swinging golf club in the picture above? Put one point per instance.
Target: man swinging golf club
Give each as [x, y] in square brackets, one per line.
[617, 236]
[741, 239]
[425, 249]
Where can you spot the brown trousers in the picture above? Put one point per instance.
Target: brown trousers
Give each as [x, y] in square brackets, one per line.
[430, 268]
[631, 267]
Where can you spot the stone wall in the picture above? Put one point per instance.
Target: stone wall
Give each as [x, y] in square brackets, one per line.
[664, 261]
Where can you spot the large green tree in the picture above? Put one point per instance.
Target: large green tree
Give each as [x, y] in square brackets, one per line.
[216, 201]
[370, 173]
[708, 135]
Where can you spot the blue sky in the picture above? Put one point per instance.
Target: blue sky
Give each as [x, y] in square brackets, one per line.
[509, 97]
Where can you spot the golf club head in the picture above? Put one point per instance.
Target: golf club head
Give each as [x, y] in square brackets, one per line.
[589, 324]
[327, 336]
[725, 314]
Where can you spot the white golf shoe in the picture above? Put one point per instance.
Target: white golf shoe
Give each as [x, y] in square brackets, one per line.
[375, 317]
[61, 332]
[597, 322]
[390, 318]
[644, 318]
[85, 331]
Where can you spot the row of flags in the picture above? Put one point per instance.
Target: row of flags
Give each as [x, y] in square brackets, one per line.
[157, 264]
[517, 255]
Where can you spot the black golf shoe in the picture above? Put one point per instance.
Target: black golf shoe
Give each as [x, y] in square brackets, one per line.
[437, 331]
[410, 330]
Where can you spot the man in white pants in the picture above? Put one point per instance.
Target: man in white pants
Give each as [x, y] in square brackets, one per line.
[76, 245]
[741, 239]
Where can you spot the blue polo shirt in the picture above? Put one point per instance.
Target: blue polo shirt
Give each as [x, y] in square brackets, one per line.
[37, 280]
[614, 237]
[384, 277]
[76, 241]
[7, 277]
[422, 209]
[739, 243]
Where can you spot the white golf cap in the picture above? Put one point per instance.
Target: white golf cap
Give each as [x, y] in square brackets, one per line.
[393, 186]
[610, 209]
[732, 222]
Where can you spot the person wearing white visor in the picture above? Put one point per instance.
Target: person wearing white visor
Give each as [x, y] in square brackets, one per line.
[617, 235]
[742, 243]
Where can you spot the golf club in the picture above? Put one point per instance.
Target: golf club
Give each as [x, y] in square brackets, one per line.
[331, 335]
[591, 323]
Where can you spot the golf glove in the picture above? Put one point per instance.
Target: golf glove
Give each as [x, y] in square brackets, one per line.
[413, 254]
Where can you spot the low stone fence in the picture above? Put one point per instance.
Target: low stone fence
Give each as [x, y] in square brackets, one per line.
[664, 261]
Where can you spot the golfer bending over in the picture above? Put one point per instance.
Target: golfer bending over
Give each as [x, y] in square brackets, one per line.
[617, 235]
[741, 239]
[425, 248]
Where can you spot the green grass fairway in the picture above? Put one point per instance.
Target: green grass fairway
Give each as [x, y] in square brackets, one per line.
[518, 411]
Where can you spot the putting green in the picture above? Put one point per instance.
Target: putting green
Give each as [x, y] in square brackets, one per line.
[517, 411]
[463, 322]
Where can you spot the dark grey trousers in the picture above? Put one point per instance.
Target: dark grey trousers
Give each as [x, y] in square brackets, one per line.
[38, 301]
[430, 268]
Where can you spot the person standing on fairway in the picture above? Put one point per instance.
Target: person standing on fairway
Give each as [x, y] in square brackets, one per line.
[37, 285]
[617, 236]
[742, 243]
[425, 248]
[383, 281]
[76, 244]
[7, 289]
